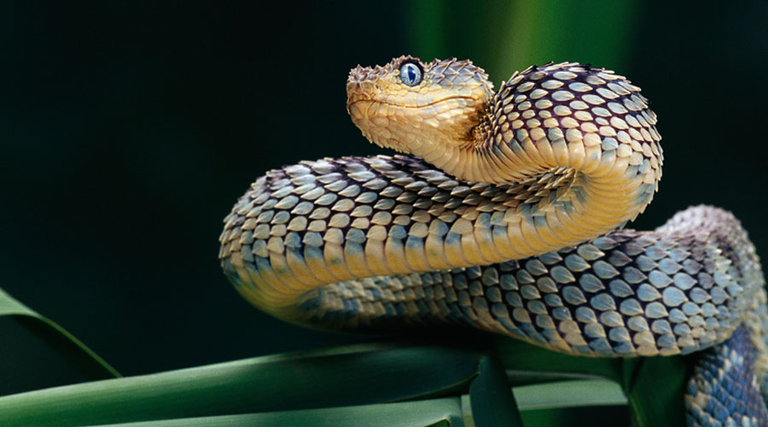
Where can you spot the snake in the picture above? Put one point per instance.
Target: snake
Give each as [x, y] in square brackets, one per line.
[505, 211]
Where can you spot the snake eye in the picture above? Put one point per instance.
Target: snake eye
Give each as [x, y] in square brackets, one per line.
[410, 74]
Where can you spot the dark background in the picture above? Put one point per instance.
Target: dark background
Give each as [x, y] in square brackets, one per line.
[129, 129]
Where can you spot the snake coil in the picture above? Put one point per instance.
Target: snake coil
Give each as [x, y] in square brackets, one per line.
[505, 217]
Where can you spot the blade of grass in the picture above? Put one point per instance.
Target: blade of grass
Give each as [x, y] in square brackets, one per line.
[63, 342]
[420, 413]
[365, 374]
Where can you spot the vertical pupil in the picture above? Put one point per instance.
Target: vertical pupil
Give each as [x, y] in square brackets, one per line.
[412, 73]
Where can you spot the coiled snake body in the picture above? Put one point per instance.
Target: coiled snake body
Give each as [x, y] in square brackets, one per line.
[506, 218]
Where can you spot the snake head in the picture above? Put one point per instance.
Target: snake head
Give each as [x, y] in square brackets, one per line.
[425, 109]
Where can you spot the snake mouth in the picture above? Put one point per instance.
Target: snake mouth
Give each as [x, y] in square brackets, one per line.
[411, 106]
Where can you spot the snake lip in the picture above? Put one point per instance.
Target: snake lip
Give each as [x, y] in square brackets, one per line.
[406, 106]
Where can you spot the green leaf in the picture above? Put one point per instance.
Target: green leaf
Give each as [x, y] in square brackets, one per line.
[655, 387]
[651, 404]
[569, 394]
[490, 396]
[526, 364]
[432, 412]
[361, 374]
[63, 342]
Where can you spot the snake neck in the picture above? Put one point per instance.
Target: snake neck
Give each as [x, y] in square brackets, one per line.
[464, 149]
[479, 154]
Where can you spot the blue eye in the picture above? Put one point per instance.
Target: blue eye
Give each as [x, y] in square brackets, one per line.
[410, 74]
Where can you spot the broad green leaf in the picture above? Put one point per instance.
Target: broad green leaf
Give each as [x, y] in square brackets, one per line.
[64, 343]
[434, 412]
[362, 374]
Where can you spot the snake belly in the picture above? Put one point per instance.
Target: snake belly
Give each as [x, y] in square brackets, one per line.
[504, 217]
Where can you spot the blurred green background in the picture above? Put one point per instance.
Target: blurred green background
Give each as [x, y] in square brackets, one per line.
[128, 130]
